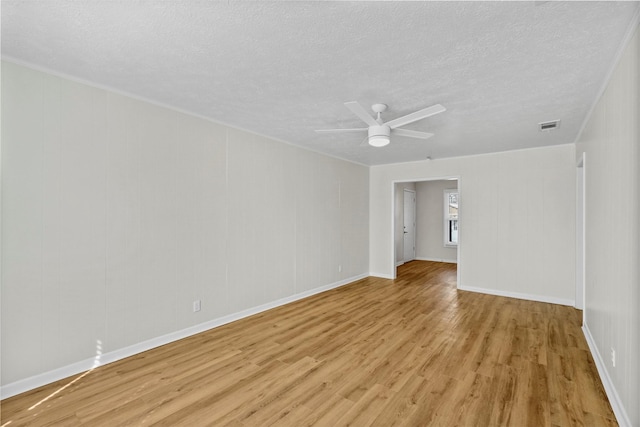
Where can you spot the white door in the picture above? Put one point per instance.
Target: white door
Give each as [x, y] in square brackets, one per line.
[409, 225]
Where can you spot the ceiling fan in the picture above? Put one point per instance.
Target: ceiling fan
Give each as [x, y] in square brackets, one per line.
[379, 132]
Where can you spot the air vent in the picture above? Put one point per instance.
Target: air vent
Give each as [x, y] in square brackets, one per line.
[545, 126]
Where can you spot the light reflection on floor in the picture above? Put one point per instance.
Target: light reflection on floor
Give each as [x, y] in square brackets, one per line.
[96, 363]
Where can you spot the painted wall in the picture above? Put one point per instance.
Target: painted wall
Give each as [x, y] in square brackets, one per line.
[399, 218]
[517, 212]
[430, 221]
[611, 141]
[117, 214]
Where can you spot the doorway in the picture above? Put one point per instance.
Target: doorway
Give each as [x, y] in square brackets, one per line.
[425, 240]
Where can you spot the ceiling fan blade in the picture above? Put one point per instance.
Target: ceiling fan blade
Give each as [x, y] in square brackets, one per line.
[412, 133]
[418, 115]
[340, 130]
[359, 111]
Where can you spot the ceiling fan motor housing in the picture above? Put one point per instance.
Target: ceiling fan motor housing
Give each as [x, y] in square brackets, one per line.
[379, 135]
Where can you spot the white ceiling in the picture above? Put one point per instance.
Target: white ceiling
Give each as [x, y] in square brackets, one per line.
[284, 69]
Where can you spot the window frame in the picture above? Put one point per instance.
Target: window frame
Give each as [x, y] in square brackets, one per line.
[447, 217]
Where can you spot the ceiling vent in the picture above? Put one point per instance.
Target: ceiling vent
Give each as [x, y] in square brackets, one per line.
[545, 126]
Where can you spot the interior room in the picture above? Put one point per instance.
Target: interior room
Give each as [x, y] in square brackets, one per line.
[429, 230]
[320, 213]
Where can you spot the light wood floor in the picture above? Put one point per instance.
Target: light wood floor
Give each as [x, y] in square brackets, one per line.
[414, 352]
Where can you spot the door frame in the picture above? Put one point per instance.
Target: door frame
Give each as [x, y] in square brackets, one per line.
[581, 193]
[392, 255]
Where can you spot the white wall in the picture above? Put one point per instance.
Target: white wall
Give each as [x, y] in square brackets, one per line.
[517, 220]
[117, 214]
[399, 218]
[430, 221]
[611, 143]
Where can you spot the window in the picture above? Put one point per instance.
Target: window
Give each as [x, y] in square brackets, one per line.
[451, 218]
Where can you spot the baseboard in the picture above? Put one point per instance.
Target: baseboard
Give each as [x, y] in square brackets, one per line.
[529, 297]
[609, 388]
[451, 261]
[382, 275]
[399, 263]
[76, 368]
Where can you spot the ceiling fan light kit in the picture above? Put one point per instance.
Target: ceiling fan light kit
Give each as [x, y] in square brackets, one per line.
[379, 132]
[379, 136]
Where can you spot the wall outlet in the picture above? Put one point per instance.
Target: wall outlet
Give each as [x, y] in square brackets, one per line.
[340, 269]
[196, 305]
[613, 357]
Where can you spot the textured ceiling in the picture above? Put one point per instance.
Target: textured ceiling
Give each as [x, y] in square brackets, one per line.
[284, 69]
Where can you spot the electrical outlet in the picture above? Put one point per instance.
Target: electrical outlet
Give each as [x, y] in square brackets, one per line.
[196, 305]
[340, 269]
[613, 357]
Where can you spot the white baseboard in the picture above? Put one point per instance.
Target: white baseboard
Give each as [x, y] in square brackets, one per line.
[529, 297]
[399, 263]
[76, 368]
[382, 275]
[451, 261]
[609, 388]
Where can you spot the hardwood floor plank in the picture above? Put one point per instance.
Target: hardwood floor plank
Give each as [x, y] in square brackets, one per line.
[562, 390]
[429, 399]
[402, 404]
[367, 407]
[414, 351]
[503, 392]
[328, 411]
